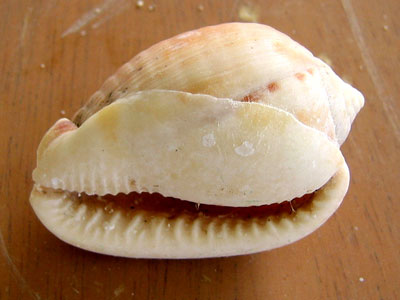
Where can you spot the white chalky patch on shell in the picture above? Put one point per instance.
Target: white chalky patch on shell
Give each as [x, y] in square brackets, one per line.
[208, 140]
[245, 149]
[55, 182]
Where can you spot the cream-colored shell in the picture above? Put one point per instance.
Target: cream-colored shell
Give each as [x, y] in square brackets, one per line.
[234, 114]
[174, 143]
[230, 153]
[144, 235]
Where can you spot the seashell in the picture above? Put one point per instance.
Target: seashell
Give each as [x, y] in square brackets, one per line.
[220, 141]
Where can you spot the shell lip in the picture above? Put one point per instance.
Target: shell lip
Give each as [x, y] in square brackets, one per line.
[158, 204]
[144, 235]
[135, 97]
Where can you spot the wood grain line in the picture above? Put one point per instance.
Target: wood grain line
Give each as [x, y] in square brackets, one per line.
[379, 84]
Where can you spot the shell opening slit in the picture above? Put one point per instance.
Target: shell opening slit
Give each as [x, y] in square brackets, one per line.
[172, 208]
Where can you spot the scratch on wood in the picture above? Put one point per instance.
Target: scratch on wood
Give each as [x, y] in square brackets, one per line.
[101, 13]
[114, 10]
[21, 281]
[379, 84]
[25, 27]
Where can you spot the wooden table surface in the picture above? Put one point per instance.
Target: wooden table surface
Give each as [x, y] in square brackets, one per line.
[56, 53]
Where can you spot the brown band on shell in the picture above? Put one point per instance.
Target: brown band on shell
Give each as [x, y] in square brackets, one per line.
[249, 98]
[257, 95]
[172, 208]
[272, 87]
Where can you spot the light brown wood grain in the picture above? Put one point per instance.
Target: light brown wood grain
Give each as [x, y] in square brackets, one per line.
[355, 255]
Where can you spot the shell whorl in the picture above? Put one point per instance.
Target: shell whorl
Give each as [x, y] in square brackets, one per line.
[243, 62]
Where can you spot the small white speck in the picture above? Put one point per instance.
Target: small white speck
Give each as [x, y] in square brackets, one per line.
[152, 7]
[132, 294]
[83, 32]
[97, 10]
[208, 140]
[197, 206]
[245, 149]
[108, 227]
[55, 182]
[361, 279]
[355, 228]
[42, 66]
[385, 27]
[62, 112]
[200, 7]
[109, 208]
[169, 225]
[139, 3]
